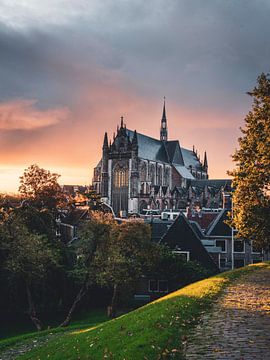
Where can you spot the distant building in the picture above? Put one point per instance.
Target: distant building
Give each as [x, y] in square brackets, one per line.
[138, 172]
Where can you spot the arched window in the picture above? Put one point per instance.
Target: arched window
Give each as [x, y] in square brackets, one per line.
[152, 174]
[143, 171]
[120, 177]
[159, 176]
[167, 176]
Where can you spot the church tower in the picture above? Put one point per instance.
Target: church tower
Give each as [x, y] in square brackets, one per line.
[164, 129]
[104, 167]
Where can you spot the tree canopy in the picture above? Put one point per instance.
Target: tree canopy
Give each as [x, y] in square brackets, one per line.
[251, 178]
[40, 187]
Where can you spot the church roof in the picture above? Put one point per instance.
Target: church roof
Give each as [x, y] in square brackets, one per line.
[174, 152]
[183, 171]
[167, 152]
[150, 148]
[190, 159]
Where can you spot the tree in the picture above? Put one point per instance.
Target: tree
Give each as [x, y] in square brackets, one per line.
[28, 258]
[251, 178]
[92, 236]
[40, 187]
[125, 257]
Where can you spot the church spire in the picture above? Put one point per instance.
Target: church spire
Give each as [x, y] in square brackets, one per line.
[163, 129]
[205, 162]
[105, 142]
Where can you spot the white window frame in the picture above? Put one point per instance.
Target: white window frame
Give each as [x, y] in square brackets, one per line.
[226, 245]
[239, 252]
[225, 262]
[177, 252]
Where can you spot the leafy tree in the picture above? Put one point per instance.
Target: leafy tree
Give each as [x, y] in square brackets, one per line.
[92, 236]
[125, 257]
[28, 258]
[251, 178]
[40, 187]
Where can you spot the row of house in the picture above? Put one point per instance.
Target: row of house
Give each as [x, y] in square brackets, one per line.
[200, 235]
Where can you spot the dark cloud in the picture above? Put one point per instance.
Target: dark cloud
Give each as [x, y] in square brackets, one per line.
[100, 59]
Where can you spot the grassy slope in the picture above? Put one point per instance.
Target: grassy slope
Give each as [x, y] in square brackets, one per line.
[155, 331]
[90, 319]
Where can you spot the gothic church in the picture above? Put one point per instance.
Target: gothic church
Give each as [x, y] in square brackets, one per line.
[137, 172]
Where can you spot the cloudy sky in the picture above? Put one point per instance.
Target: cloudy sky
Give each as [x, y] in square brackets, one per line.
[70, 69]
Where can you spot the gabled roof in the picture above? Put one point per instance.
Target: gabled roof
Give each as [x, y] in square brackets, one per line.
[174, 152]
[218, 227]
[182, 236]
[196, 227]
[158, 228]
[204, 219]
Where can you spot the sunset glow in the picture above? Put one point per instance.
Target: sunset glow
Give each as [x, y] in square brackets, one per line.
[70, 69]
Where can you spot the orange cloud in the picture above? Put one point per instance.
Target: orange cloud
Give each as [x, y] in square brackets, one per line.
[22, 114]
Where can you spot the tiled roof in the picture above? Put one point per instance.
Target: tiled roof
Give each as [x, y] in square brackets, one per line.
[218, 227]
[204, 219]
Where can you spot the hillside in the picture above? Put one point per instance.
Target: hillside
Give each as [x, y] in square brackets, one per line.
[155, 331]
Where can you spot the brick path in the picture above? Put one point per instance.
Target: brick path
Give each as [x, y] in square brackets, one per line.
[238, 328]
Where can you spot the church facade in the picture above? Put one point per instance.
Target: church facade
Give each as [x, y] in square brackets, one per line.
[139, 172]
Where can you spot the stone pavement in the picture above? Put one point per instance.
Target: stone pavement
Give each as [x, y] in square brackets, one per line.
[238, 328]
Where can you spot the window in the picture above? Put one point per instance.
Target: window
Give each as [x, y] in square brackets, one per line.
[239, 263]
[143, 171]
[255, 248]
[158, 286]
[222, 245]
[222, 263]
[183, 254]
[120, 178]
[239, 246]
[153, 285]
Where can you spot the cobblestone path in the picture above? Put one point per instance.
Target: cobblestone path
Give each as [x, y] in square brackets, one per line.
[238, 328]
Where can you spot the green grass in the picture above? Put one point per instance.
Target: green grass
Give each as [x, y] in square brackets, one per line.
[84, 320]
[155, 331]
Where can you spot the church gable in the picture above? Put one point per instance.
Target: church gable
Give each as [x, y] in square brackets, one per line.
[174, 152]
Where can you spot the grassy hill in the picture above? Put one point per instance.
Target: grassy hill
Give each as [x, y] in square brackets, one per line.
[155, 331]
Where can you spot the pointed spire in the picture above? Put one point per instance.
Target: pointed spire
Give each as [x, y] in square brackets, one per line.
[135, 140]
[105, 141]
[205, 162]
[122, 122]
[164, 111]
[163, 129]
[193, 149]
